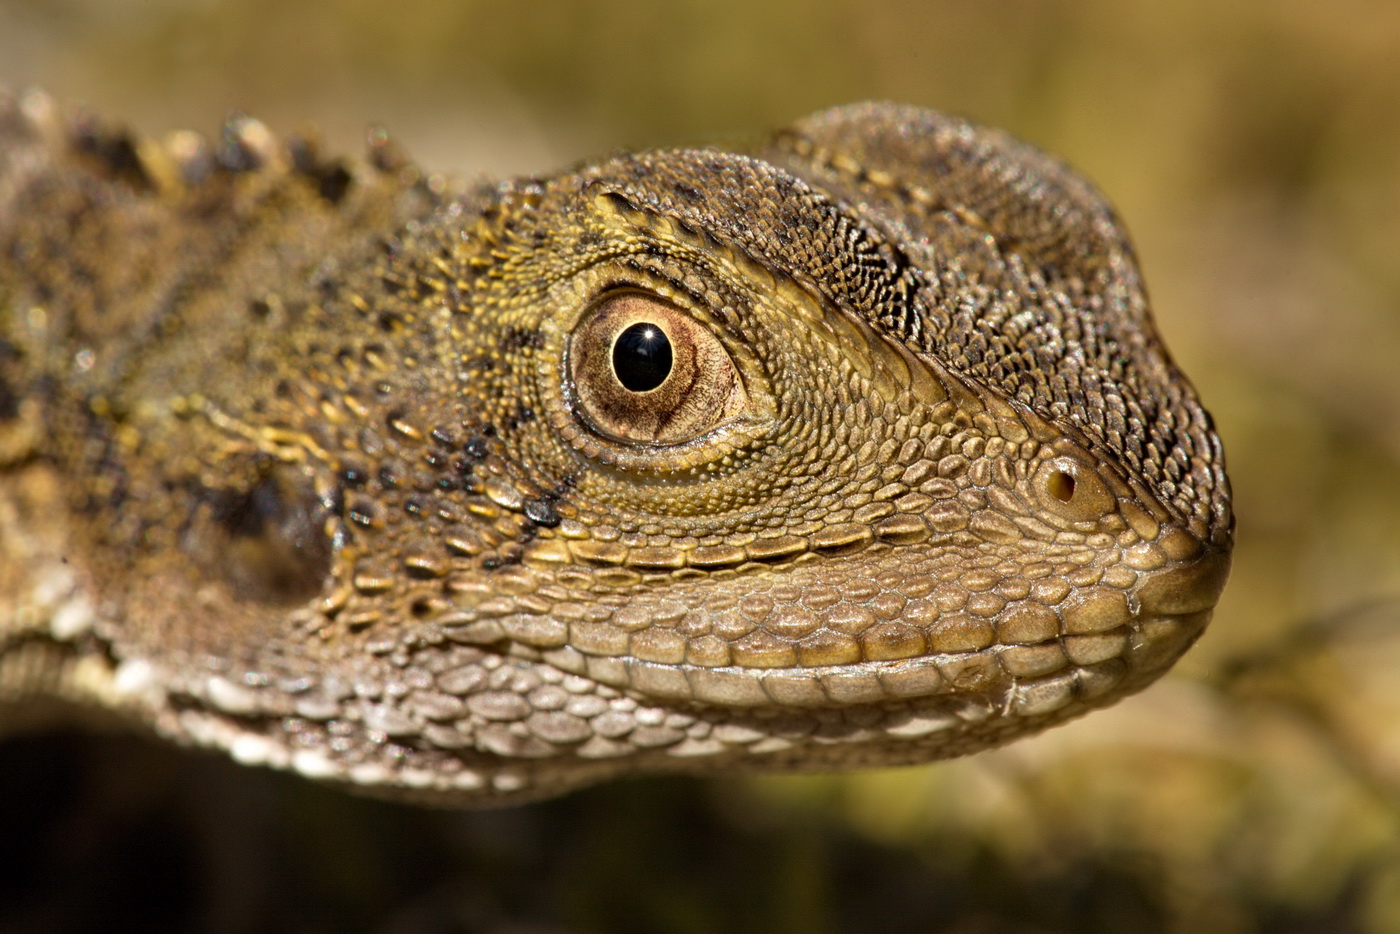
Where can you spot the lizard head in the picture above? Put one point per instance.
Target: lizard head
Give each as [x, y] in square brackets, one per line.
[859, 450]
[862, 450]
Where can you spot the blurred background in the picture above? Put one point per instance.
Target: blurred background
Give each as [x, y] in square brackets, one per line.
[1254, 150]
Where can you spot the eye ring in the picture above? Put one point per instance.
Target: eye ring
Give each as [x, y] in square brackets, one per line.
[644, 371]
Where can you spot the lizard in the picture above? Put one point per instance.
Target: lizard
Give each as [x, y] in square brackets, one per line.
[858, 449]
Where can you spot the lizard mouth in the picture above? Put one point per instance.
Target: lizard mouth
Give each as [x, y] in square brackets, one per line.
[1032, 659]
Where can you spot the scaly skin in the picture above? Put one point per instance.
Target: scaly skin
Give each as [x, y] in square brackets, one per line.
[336, 466]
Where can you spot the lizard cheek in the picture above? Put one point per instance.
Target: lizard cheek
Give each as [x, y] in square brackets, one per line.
[645, 372]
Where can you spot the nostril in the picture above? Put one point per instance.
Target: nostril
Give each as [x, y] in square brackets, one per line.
[1060, 485]
[1071, 489]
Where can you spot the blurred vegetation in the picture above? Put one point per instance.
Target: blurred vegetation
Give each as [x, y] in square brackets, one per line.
[1254, 149]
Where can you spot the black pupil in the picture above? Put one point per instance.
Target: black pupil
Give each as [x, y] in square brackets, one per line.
[642, 357]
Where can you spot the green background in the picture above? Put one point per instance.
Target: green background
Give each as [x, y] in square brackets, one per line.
[1253, 149]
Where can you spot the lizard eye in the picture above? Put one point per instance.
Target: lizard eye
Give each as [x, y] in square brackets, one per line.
[646, 372]
[641, 357]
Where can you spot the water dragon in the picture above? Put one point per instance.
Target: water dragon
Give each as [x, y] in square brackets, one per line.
[859, 449]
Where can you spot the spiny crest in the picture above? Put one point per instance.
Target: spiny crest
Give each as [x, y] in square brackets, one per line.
[186, 160]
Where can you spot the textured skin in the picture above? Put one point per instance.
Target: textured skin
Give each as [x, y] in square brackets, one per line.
[322, 463]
